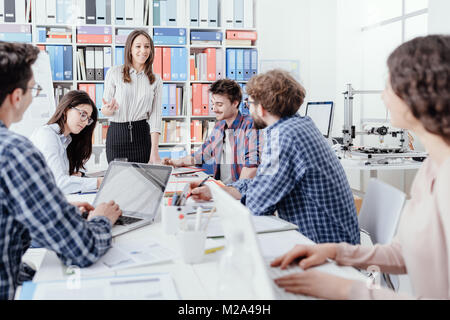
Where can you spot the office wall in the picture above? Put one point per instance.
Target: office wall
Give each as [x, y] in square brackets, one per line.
[438, 13]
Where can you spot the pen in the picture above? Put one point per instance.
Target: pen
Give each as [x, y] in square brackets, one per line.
[200, 185]
[88, 192]
[207, 251]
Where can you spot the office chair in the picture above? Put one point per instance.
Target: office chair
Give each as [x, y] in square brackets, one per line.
[379, 216]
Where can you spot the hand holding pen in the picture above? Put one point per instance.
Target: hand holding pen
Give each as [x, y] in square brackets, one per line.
[199, 191]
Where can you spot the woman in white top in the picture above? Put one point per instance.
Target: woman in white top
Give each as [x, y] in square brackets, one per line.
[66, 142]
[132, 100]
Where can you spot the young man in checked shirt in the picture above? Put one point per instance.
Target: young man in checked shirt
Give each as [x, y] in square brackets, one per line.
[233, 145]
[299, 176]
[31, 205]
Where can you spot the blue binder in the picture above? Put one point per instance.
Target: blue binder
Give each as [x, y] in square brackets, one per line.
[68, 66]
[174, 64]
[98, 98]
[165, 100]
[171, 12]
[172, 99]
[206, 36]
[194, 11]
[42, 34]
[247, 65]
[175, 32]
[51, 53]
[182, 66]
[231, 64]
[240, 64]
[60, 14]
[254, 62]
[101, 11]
[169, 40]
[59, 63]
[120, 11]
[119, 57]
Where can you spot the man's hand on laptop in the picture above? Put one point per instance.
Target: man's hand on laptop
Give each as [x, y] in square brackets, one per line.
[109, 210]
[200, 193]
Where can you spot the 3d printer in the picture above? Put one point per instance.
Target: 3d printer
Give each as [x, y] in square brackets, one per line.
[374, 155]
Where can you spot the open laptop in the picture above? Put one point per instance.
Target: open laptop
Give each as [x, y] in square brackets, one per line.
[239, 230]
[137, 188]
[321, 114]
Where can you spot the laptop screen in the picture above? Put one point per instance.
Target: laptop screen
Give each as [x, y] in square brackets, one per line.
[137, 188]
[322, 115]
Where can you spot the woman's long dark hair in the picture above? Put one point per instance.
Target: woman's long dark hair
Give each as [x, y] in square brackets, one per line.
[80, 149]
[148, 69]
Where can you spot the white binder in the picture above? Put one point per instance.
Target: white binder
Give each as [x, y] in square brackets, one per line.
[81, 12]
[129, 12]
[203, 13]
[139, 12]
[2, 11]
[51, 11]
[99, 63]
[181, 13]
[248, 13]
[228, 13]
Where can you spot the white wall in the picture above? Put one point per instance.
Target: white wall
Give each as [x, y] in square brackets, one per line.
[438, 16]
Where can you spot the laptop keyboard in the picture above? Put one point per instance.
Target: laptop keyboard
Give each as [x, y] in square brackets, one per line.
[123, 221]
[275, 273]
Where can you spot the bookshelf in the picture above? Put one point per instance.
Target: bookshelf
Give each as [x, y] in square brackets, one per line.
[187, 116]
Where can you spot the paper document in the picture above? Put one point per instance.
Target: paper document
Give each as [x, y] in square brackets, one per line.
[158, 286]
[261, 224]
[186, 170]
[131, 254]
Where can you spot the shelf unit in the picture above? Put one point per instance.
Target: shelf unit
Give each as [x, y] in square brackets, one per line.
[187, 117]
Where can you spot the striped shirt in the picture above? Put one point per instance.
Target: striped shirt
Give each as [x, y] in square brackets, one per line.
[53, 146]
[137, 100]
[32, 206]
[302, 179]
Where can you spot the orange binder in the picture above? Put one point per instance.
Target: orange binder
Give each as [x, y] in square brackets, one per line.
[197, 99]
[196, 131]
[210, 64]
[41, 47]
[83, 87]
[166, 69]
[205, 98]
[157, 62]
[241, 35]
[192, 67]
[94, 38]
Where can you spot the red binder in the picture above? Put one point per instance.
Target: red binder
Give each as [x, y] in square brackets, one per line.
[211, 64]
[205, 98]
[157, 62]
[166, 68]
[197, 99]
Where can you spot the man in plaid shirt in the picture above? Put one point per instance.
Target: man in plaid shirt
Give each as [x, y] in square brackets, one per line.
[300, 177]
[232, 148]
[31, 205]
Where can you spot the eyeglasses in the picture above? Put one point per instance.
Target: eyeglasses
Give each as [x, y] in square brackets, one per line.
[248, 103]
[84, 116]
[37, 88]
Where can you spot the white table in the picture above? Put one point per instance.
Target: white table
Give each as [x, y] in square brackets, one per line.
[198, 281]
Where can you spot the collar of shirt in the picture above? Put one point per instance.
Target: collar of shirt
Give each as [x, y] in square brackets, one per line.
[279, 122]
[235, 124]
[133, 70]
[64, 140]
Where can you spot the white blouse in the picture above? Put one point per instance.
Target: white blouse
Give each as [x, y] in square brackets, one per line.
[53, 146]
[137, 100]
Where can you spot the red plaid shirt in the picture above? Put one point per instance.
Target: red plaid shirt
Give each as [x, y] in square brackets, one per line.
[244, 141]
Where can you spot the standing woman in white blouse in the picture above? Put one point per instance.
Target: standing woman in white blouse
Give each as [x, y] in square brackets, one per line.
[132, 100]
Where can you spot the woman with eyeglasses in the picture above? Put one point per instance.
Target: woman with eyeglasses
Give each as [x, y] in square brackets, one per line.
[66, 142]
[132, 101]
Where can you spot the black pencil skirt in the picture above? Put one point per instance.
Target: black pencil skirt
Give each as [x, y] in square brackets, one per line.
[129, 140]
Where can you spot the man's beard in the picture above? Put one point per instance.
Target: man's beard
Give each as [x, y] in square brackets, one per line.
[258, 123]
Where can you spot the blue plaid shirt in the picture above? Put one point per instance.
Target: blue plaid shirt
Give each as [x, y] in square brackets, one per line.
[302, 179]
[32, 206]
